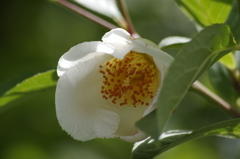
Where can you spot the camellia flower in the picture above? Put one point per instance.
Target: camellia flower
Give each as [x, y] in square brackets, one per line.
[105, 87]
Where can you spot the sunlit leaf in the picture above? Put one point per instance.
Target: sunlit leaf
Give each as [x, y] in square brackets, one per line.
[29, 87]
[206, 12]
[195, 57]
[228, 61]
[149, 148]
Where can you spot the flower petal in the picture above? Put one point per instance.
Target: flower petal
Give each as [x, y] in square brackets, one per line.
[117, 35]
[127, 119]
[119, 40]
[81, 110]
[137, 137]
[120, 50]
[77, 53]
[146, 46]
[160, 76]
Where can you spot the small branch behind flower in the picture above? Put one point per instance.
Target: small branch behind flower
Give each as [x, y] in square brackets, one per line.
[204, 91]
[130, 28]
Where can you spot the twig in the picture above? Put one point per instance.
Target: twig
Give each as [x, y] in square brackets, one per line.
[201, 89]
[130, 27]
[86, 14]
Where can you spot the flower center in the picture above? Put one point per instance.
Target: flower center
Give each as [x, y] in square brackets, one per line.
[131, 81]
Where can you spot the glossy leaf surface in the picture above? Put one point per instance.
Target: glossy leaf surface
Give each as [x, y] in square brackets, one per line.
[149, 148]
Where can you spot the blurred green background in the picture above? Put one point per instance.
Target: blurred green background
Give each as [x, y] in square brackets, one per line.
[34, 34]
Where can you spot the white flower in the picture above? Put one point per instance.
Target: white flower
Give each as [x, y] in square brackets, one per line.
[105, 87]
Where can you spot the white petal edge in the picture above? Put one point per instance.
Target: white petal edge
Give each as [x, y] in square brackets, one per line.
[153, 51]
[77, 53]
[127, 119]
[117, 35]
[162, 70]
[119, 40]
[120, 50]
[81, 111]
[135, 138]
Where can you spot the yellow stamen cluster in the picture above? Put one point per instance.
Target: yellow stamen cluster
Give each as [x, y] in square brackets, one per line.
[131, 81]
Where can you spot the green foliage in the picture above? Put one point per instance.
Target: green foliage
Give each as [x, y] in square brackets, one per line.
[206, 12]
[148, 124]
[38, 83]
[173, 44]
[45, 41]
[234, 20]
[222, 81]
[228, 61]
[149, 148]
[195, 57]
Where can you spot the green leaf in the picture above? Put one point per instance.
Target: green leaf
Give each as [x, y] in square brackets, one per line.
[149, 148]
[196, 56]
[149, 124]
[206, 12]
[31, 86]
[173, 44]
[228, 61]
[221, 80]
[234, 21]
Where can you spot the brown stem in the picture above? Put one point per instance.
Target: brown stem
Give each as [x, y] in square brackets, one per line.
[86, 14]
[130, 27]
[201, 89]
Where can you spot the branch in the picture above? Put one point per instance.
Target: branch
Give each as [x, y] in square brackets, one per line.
[86, 14]
[204, 91]
[130, 27]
